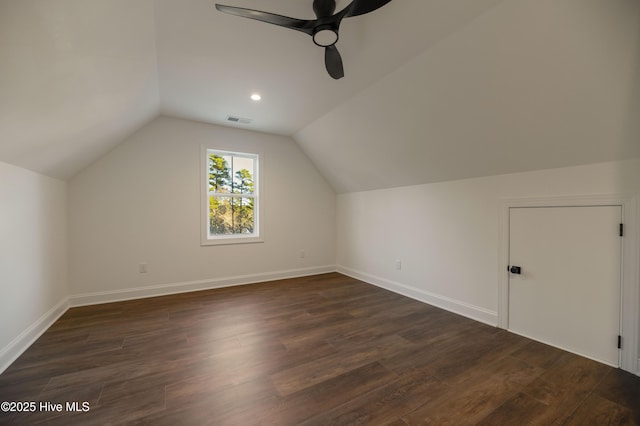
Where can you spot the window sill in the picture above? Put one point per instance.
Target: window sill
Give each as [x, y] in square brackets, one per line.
[231, 240]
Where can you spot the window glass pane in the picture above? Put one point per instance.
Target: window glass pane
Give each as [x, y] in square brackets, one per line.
[231, 215]
[219, 213]
[219, 173]
[243, 171]
[243, 222]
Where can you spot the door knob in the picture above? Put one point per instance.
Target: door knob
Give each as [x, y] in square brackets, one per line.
[515, 270]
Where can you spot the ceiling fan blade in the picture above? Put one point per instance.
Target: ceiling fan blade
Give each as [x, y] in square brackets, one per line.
[306, 26]
[360, 7]
[333, 62]
[324, 8]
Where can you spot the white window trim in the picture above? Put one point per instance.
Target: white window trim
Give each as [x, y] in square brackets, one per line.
[257, 236]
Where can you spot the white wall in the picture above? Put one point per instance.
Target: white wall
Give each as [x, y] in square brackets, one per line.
[447, 235]
[141, 204]
[33, 257]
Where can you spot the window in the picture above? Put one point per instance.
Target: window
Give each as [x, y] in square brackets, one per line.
[231, 201]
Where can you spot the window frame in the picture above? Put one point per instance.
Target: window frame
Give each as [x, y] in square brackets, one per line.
[257, 236]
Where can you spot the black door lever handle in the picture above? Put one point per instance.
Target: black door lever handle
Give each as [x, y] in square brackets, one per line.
[515, 270]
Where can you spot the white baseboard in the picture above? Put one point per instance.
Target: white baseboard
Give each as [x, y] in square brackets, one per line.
[461, 308]
[189, 286]
[21, 343]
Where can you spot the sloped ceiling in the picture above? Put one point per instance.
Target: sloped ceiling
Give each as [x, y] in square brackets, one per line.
[532, 84]
[76, 77]
[434, 89]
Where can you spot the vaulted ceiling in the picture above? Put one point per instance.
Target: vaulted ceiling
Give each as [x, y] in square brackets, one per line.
[434, 89]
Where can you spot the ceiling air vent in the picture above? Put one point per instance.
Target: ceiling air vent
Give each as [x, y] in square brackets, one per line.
[240, 120]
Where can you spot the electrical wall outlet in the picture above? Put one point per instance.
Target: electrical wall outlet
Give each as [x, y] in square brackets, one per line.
[302, 254]
[142, 268]
[398, 264]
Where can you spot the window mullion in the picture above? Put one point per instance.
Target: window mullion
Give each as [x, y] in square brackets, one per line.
[229, 195]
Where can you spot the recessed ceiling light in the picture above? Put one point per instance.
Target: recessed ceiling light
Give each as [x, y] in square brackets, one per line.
[256, 97]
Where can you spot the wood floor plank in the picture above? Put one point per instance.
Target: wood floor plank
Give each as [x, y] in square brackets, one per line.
[520, 409]
[622, 388]
[570, 378]
[386, 404]
[477, 397]
[596, 410]
[538, 354]
[325, 349]
[293, 409]
[565, 385]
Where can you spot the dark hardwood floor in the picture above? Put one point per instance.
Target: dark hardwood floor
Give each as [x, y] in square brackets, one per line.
[319, 350]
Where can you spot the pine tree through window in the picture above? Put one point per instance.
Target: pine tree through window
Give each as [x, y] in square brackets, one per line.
[232, 195]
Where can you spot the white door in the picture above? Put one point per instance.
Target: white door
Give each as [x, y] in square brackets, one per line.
[568, 291]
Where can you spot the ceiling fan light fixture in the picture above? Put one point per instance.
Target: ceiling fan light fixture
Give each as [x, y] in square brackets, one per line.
[325, 36]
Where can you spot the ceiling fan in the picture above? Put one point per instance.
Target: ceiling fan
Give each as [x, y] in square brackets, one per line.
[323, 30]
